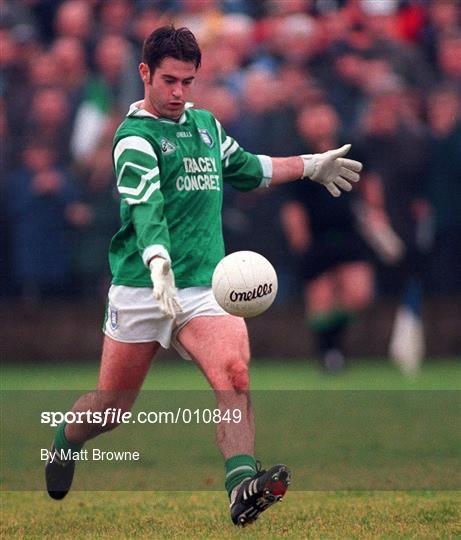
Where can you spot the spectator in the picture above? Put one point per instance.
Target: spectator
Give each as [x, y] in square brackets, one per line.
[345, 86]
[293, 39]
[396, 159]
[49, 116]
[69, 55]
[202, 18]
[105, 93]
[44, 71]
[42, 206]
[101, 221]
[146, 18]
[5, 167]
[443, 189]
[116, 17]
[14, 93]
[449, 59]
[258, 100]
[289, 7]
[379, 22]
[74, 19]
[442, 18]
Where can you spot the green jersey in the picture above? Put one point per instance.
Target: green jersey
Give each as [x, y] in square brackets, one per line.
[170, 179]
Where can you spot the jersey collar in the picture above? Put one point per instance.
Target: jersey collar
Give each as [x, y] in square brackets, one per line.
[137, 111]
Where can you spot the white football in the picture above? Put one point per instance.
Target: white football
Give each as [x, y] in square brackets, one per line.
[244, 283]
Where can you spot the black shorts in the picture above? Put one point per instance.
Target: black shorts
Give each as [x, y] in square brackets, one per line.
[330, 250]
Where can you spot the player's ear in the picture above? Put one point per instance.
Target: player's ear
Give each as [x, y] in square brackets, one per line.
[144, 72]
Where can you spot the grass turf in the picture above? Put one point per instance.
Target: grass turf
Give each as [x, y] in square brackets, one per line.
[201, 514]
[341, 515]
[274, 375]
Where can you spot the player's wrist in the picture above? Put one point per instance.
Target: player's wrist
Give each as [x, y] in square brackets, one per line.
[152, 251]
[152, 259]
[309, 163]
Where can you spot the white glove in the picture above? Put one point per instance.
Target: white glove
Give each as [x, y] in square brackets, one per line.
[332, 170]
[164, 287]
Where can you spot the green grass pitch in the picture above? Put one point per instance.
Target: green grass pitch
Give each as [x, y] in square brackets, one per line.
[336, 494]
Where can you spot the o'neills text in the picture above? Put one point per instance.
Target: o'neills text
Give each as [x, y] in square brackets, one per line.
[246, 296]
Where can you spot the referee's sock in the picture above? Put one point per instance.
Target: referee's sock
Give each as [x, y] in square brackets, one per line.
[329, 328]
[238, 468]
[61, 442]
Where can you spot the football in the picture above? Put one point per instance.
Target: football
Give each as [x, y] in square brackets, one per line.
[244, 283]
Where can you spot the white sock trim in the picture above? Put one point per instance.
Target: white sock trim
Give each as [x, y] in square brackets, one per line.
[241, 468]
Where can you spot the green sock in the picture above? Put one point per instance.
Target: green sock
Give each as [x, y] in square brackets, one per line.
[237, 469]
[330, 320]
[61, 443]
[329, 328]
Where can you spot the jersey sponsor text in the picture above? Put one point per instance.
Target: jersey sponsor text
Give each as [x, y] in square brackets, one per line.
[201, 164]
[199, 182]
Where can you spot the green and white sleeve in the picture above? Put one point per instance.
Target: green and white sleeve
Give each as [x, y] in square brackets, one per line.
[138, 182]
[243, 170]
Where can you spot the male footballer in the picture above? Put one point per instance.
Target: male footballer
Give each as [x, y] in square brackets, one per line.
[170, 162]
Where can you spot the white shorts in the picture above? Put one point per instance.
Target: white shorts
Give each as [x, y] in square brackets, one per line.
[133, 315]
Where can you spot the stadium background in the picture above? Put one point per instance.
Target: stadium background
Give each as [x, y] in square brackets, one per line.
[69, 72]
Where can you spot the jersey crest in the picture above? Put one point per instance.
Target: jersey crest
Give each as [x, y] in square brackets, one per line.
[206, 137]
[167, 146]
[113, 317]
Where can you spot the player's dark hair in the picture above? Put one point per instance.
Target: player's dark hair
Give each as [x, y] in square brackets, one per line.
[167, 41]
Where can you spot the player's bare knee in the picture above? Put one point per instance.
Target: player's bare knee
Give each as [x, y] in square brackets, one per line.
[238, 374]
[358, 299]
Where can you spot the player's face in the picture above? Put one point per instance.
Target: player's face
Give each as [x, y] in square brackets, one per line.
[167, 89]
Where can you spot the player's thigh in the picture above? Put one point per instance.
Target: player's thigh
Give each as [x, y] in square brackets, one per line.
[124, 365]
[355, 284]
[219, 345]
[319, 294]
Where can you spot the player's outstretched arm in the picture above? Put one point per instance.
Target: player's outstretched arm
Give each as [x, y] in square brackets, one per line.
[330, 168]
[164, 286]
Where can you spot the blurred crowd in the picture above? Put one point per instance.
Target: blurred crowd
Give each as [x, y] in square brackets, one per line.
[283, 76]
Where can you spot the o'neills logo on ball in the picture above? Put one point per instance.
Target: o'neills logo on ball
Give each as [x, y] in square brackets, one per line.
[246, 296]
